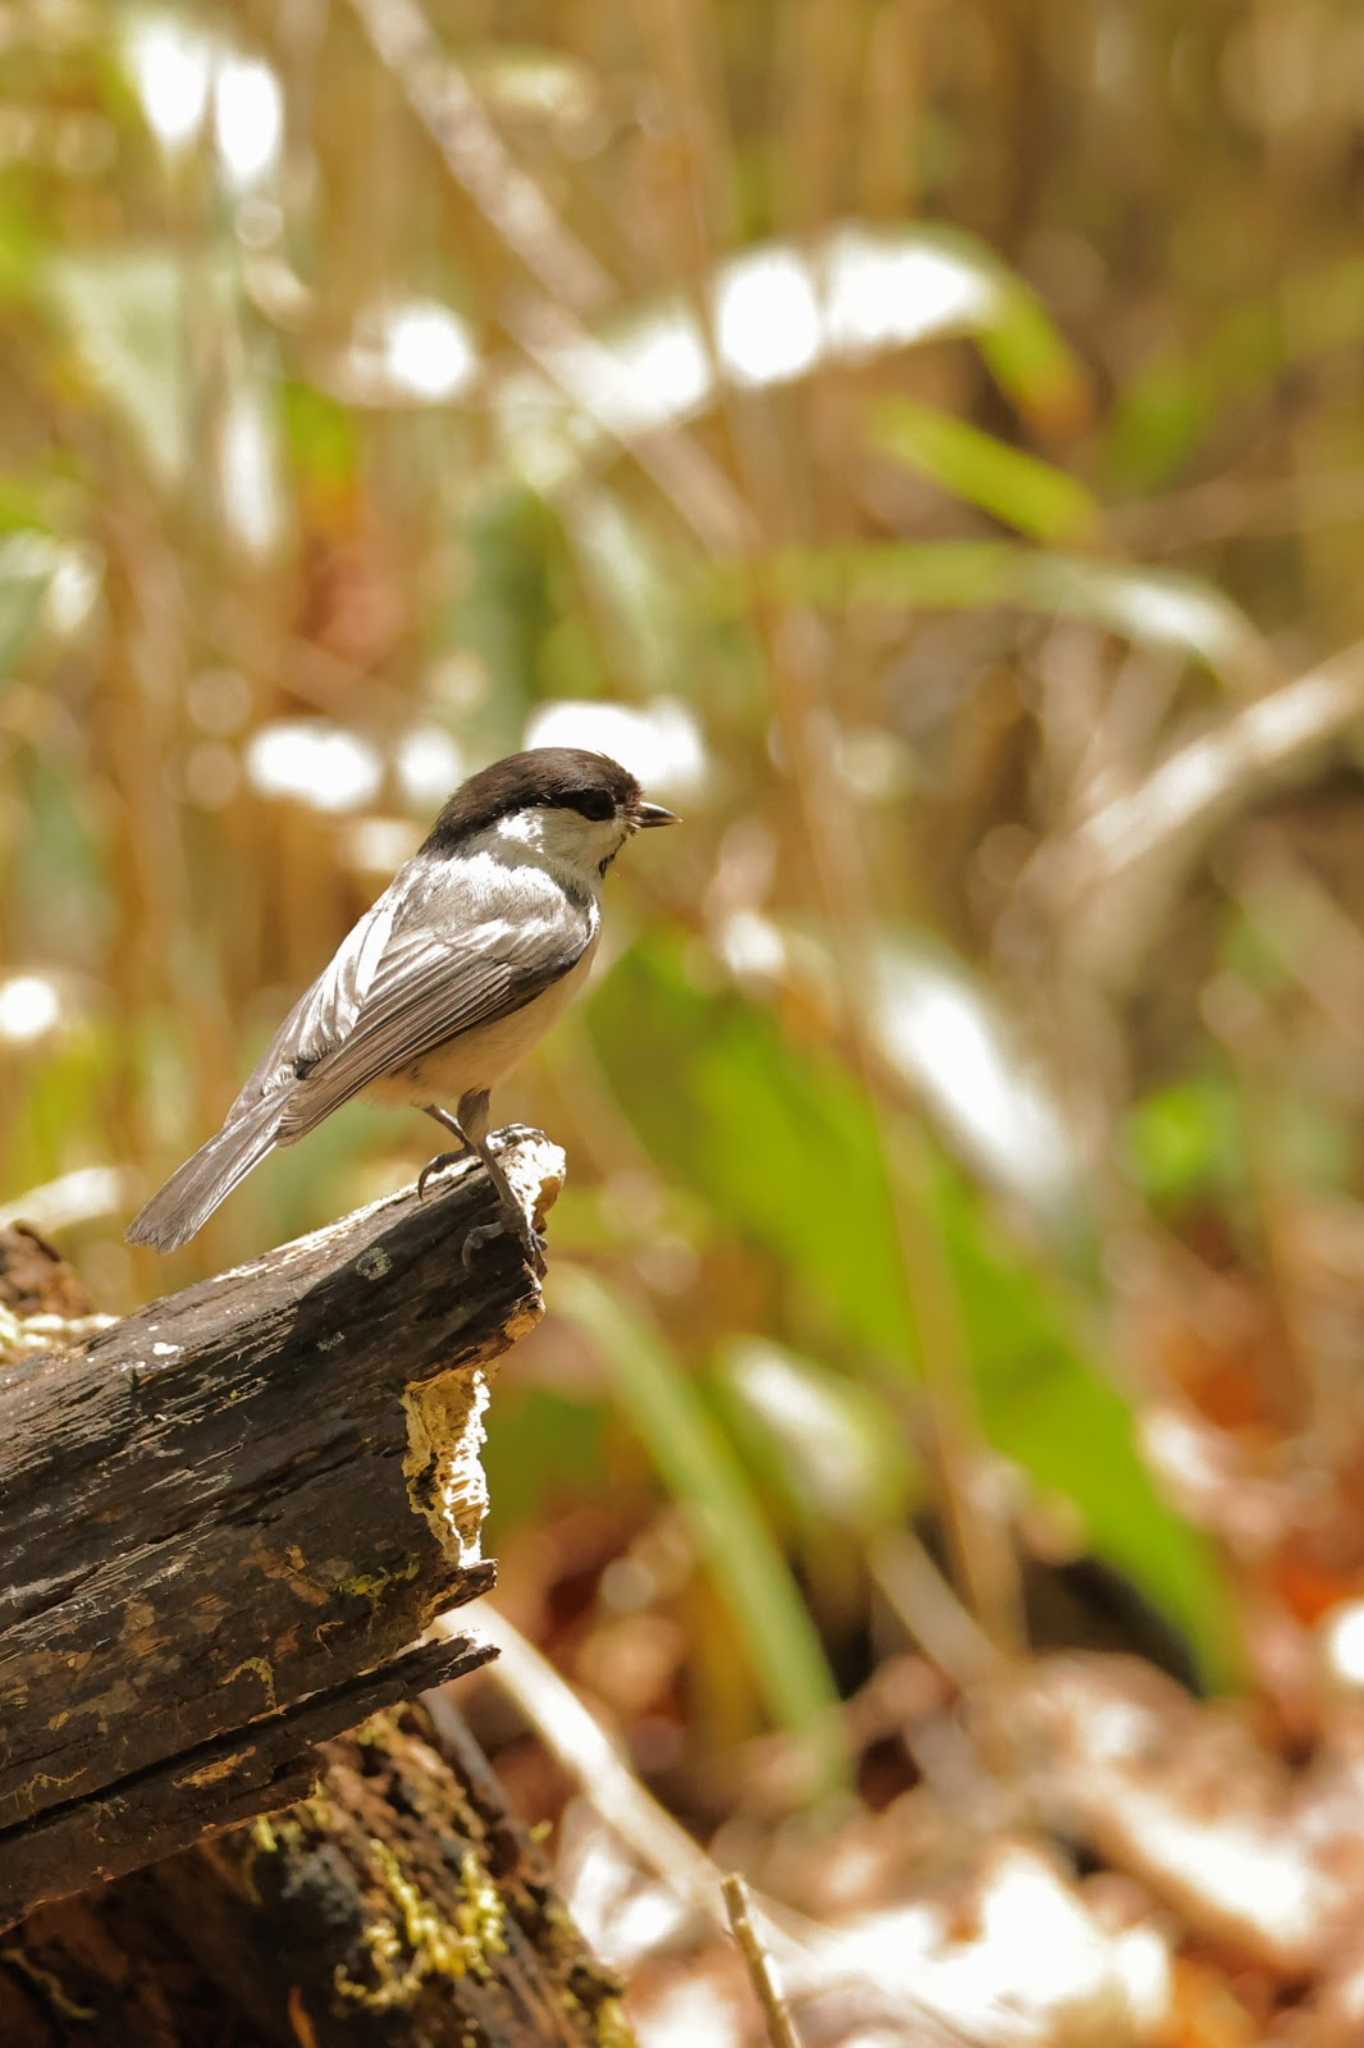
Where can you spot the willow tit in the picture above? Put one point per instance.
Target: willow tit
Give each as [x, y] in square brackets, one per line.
[462, 965]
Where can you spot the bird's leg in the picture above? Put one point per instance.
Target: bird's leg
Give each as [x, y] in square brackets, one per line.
[473, 1122]
[471, 1125]
[442, 1159]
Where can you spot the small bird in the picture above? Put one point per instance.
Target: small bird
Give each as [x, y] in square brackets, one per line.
[462, 965]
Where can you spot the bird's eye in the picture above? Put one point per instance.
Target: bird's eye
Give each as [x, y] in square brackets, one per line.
[591, 803]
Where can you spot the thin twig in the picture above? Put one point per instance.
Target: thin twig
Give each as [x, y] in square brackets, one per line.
[1192, 787]
[507, 196]
[925, 1601]
[575, 1737]
[548, 326]
[77, 1197]
[781, 2031]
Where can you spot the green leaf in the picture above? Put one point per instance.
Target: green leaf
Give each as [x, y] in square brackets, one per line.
[1147, 606]
[780, 311]
[125, 311]
[835, 1447]
[698, 1463]
[1016, 487]
[1187, 1142]
[320, 434]
[781, 1143]
[1032, 362]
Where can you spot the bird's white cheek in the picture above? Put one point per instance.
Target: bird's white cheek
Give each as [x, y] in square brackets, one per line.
[563, 840]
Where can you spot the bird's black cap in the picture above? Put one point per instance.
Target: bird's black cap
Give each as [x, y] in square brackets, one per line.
[566, 778]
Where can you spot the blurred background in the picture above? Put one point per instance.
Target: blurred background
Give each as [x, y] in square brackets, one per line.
[926, 443]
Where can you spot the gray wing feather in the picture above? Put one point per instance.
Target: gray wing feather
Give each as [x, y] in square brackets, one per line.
[326, 1011]
[424, 996]
[397, 988]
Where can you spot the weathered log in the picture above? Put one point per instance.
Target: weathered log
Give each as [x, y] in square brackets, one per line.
[399, 1907]
[226, 1521]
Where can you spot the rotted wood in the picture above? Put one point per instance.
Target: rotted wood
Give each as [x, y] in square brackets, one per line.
[227, 1521]
[398, 1907]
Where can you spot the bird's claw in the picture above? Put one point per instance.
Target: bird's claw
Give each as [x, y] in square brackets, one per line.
[475, 1239]
[436, 1165]
[531, 1242]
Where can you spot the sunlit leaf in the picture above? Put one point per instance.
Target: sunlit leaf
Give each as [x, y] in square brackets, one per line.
[126, 314]
[836, 1447]
[1016, 487]
[938, 1027]
[1151, 607]
[780, 1141]
[1033, 363]
[780, 311]
[699, 1464]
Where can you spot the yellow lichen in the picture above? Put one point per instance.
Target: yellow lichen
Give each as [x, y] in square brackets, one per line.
[273, 1832]
[429, 1945]
[482, 1918]
[263, 1670]
[613, 2029]
[50, 1985]
[369, 1585]
[320, 1811]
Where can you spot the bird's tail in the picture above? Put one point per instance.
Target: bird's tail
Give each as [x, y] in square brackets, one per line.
[194, 1191]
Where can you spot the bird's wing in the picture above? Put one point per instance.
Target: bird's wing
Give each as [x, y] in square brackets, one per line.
[407, 979]
[327, 1010]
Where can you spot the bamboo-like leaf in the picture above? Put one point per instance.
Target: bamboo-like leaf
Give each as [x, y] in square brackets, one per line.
[836, 1446]
[781, 311]
[1038, 499]
[780, 1142]
[698, 1463]
[1146, 606]
[126, 315]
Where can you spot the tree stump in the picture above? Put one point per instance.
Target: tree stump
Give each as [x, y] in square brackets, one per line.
[398, 1907]
[227, 1521]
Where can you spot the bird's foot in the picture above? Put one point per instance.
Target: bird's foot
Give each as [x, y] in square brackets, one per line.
[517, 1225]
[434, 1166]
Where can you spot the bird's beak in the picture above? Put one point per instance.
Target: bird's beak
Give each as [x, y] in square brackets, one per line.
[645, 815]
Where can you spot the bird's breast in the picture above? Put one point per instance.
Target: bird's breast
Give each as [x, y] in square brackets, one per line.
[483, 1057]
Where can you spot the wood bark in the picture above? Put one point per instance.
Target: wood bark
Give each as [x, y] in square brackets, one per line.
[226, 1522]
[398, 1907]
